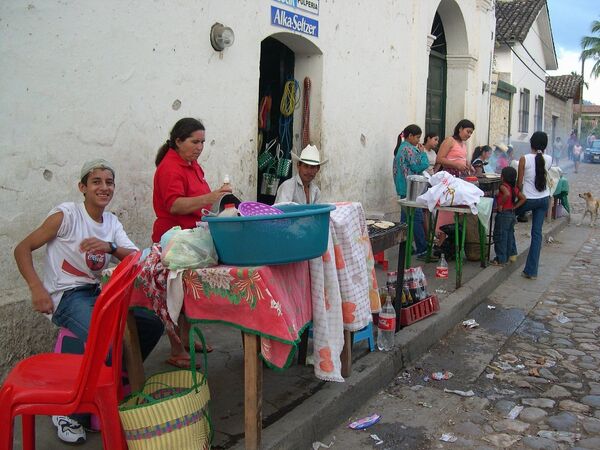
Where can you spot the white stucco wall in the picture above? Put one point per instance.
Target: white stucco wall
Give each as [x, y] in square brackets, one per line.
[524, 74]
[84, 79]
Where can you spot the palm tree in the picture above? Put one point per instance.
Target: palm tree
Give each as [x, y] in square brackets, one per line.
[591, 48]
[575, 74]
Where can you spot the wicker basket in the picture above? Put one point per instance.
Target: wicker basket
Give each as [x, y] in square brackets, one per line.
[171, 412]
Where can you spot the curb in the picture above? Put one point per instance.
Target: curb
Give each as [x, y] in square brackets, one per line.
[331, 405]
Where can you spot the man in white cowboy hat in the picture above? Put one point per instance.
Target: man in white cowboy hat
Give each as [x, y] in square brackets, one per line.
[301, 188]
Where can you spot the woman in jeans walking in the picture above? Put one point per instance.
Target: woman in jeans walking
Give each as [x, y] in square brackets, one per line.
[532, 181]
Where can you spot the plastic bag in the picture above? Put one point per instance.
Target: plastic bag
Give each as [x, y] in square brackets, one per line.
[188, 249]
[447, 190]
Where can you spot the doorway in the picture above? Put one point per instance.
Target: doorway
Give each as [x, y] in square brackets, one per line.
[275, 130]
[435, 112]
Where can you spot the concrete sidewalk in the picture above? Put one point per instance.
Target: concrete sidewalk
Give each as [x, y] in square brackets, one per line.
[298, 409]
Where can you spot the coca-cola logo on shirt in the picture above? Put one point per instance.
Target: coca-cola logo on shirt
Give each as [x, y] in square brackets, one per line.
[95, 260]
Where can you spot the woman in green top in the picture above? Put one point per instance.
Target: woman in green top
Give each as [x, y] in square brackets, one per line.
[410, 160]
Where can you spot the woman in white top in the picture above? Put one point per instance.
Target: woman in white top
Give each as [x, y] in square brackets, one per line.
[430, 144]
[532, 181]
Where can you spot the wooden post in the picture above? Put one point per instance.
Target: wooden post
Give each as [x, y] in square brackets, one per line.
[133, 354]
[252, 392]
[346, 356]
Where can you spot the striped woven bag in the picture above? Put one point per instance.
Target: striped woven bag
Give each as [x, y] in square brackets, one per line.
[171, 412]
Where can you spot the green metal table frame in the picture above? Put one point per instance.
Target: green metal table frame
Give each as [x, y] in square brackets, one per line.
[460, 216]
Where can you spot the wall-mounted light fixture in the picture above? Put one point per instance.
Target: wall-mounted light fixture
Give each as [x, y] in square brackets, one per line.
[221, 37]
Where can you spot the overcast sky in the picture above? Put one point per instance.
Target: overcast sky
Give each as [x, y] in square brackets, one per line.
[571, 20]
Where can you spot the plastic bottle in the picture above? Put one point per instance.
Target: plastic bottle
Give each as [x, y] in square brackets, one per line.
[408, 300]
[386, 326]
[421, 283]
[441, 271]
[391, 279]
[229, 211]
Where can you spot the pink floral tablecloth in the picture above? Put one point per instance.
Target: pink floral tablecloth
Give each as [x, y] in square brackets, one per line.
[271, 301]
[278, 302]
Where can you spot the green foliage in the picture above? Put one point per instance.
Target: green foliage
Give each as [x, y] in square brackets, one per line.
[591, 48]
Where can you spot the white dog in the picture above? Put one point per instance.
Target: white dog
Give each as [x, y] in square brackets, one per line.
[592, 206]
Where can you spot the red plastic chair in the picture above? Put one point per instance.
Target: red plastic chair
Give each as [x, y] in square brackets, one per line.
[63, 384]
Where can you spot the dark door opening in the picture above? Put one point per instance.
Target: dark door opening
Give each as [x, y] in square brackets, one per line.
[435, 111]
[276, 67]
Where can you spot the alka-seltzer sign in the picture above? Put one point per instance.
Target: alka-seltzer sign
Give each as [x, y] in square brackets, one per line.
[295, 22]
[312, 6]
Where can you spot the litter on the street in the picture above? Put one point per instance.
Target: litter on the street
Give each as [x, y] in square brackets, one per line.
[562, 318]
[438, 376]
[424, 404]
[318, 444]
[468, 393]
[489, 376]
[365, 422]
[514, 413]
[448, 437]
[376, 438]
[491, 307]
[471, 323]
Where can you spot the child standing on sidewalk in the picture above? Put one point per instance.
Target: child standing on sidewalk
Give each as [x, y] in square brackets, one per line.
[508, 199]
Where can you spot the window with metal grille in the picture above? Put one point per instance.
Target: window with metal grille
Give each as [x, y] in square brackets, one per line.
[524, 111]
[539, 113]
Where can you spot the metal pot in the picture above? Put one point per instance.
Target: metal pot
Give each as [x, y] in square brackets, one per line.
[415, 186]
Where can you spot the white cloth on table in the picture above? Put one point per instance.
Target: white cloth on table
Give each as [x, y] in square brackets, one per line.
[328, 327]
[174, 293]
[340, 288]
[448, 190]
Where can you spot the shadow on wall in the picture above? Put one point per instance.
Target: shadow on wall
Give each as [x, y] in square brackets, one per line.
[23, 332]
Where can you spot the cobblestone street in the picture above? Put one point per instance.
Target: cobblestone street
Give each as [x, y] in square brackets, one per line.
[527, 377]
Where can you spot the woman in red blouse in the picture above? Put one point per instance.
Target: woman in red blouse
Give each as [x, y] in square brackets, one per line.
[180, 190]
[180, 193]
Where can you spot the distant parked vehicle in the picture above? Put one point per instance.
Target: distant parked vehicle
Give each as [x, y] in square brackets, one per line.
[592, 153]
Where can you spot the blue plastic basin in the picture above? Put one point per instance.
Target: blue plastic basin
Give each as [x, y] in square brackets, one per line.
[300, 233]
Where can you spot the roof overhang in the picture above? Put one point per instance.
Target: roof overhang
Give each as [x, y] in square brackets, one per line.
[547, 38]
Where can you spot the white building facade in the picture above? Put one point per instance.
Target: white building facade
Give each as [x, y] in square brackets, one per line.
[524, 51]
[109, 79]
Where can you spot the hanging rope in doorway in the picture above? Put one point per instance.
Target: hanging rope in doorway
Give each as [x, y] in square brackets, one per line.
[289, 102]
[306, 113]
[264, 113]
[290, 97]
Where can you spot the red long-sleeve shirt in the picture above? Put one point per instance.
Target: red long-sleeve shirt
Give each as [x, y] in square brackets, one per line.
[175, 178]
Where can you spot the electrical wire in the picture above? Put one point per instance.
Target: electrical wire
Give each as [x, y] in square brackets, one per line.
[524, 63]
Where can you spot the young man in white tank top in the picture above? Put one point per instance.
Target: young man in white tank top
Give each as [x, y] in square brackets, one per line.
[80, 239]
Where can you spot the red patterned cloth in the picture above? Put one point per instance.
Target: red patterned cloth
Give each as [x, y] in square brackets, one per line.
[271, 301]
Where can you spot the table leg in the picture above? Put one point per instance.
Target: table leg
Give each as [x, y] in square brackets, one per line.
[252, 392]
[399, 283]
[410, 217]
[346, 356]
[431, 234]
[482, 246]
[303, 347]
[459, 245]
[133, 355]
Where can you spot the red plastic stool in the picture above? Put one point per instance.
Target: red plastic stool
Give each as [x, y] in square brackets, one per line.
[380, 259]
